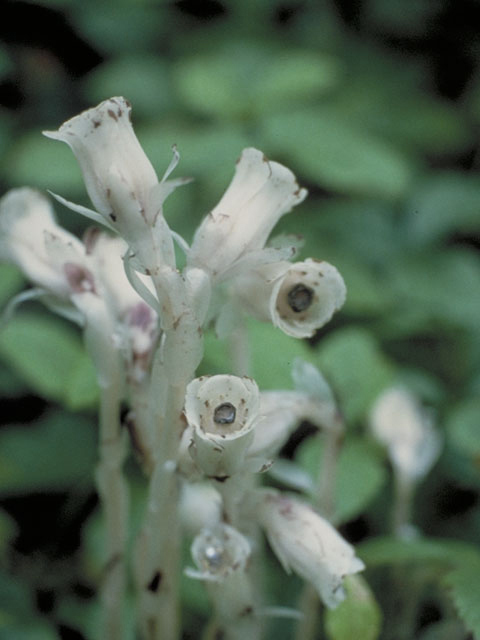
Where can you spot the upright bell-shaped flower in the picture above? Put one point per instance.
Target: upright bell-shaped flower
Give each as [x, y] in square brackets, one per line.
[235, 231]
[120, 180]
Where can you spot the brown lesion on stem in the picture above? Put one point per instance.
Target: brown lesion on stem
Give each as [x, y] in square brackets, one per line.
[154, 583]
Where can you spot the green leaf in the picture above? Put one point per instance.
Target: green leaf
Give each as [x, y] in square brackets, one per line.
[295, 77]
[142, 79]
[463, 427]
[351, 360]
[11, 281]
[271, 351]
[360, 474]
[53, 455]
[116, 28]
[438, 288]
[447, 202]
[335, 154]
[43, 163]
[358, 616]
[81, 388]
[45, 352]
[464, 585]
[392, 551]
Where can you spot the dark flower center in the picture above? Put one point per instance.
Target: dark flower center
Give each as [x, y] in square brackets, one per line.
[224, 414]
[299, 298]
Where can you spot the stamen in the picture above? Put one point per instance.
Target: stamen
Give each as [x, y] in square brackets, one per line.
[300, 298]
[225, 413]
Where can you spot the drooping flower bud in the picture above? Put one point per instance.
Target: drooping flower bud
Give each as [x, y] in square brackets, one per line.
[298, 298]
[222, 411]
[398, 421]
[259, 194]
[307, 544]
[218, 552]
[31, 239]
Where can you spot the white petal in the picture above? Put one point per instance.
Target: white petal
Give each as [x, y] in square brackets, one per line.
[222, 410]
[26, 221]
[104, 143]
[398, 421]
[259, 194]
[219, 551]
[307, 544]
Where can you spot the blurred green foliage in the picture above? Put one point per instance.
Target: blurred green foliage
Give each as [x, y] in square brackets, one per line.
[375, 106]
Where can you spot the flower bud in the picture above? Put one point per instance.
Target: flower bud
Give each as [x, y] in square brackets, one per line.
[259, 194]
[298, 298]
[222, 411]
[49, 256]
[399, 423]
[218, 552]
[200, 506]
[307, 544]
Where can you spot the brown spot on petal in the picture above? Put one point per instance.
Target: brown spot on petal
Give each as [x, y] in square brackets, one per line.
[112, 114]
[96, 123]
[79, 278]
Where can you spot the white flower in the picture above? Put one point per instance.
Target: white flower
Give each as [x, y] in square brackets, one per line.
[221, 410]
[398, 421]
[200, 506]
[137, 323]
[298, 298]
[31, 239]
[259, 194]
[218, 552]
[119, 178]
[307, 544]
[280, 413]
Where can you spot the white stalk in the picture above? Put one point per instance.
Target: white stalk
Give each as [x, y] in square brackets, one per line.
[157, 551]
[221, 554]
[113, 492]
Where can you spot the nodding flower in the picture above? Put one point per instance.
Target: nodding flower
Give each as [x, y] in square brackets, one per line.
[308, 544]
[50, 257]
[236, 230]
[298, 298]
[219, 551]
[222, 411]
[399, 422]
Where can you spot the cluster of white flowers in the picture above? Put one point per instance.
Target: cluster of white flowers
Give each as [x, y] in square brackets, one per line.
[143, 321]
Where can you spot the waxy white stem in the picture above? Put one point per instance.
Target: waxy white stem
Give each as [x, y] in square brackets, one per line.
[113, 492]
